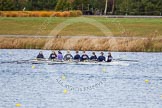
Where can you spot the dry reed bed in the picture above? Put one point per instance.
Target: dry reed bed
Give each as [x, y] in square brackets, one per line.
[40, 13]
[111, 44]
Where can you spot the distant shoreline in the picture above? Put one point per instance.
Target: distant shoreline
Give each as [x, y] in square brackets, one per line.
[123, 16]
[39, 36]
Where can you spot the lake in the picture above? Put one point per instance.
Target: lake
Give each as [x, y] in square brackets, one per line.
[27, 85]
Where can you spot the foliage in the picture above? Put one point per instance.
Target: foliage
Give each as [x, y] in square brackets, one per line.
[118, 7]
[40, 14]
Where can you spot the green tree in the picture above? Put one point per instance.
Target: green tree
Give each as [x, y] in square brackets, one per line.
[7, 5]
[62, 5]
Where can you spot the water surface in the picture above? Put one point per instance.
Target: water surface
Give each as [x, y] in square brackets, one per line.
[138, 85]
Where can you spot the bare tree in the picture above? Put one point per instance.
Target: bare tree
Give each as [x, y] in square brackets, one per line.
[105, 7]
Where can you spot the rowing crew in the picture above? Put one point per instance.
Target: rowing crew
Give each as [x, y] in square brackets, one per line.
[84, 57]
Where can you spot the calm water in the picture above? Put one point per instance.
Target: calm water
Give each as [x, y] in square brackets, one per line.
[137, 85]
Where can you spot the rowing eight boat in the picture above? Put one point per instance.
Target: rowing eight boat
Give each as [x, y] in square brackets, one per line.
[49, 62]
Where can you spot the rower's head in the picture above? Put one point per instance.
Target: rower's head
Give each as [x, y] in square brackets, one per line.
[68, 51]
[77, 52]
[59, 52]
[109, 54]
[102, 53]
[93, 53]
[40, 52]
[84, 52]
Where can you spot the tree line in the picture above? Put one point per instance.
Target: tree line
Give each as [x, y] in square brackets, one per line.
[91, 7]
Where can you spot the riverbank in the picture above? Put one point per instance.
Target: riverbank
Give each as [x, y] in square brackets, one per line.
[81, 26]
[149, 44]
[81, 33]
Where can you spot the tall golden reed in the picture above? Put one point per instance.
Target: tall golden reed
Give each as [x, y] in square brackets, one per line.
[104, 44]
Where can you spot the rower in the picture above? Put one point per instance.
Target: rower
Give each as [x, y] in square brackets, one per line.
[101, 58]
[84, 57]
[77, 56]
[60, 56]
[109, 59]
[40, 55]
[53, 55]
[93, 57]
[68, 56]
